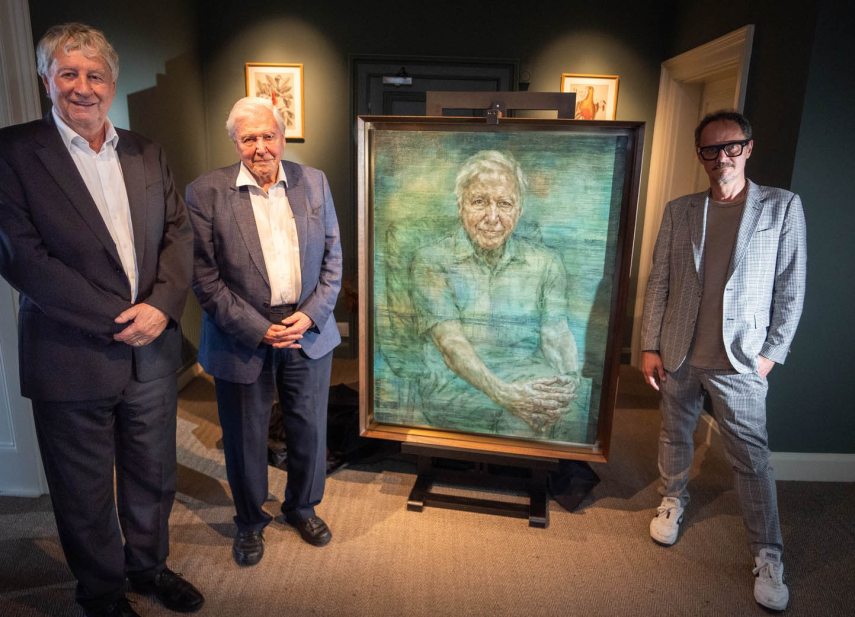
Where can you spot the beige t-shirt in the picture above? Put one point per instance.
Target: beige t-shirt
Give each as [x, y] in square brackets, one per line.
[723, 220]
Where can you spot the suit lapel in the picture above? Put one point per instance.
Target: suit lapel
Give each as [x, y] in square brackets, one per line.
[748, 225]
[59, 164]
[697, 228]
[241, 207]
[296, 191]
[133, 172]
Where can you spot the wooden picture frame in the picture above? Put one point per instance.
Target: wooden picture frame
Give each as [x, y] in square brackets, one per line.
[566, 267]
[596, 95]
[283, 84]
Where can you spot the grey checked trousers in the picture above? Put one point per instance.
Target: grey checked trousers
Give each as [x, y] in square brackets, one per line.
[739, 407]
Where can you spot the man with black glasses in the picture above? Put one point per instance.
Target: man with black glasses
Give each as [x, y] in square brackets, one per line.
[723, 301]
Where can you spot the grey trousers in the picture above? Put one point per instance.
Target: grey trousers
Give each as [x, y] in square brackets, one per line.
[739, 407]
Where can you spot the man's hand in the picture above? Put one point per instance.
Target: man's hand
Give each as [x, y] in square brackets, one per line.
[540, 402]
[764, 366]
[652, 369]
[146, 322]
[286, 335]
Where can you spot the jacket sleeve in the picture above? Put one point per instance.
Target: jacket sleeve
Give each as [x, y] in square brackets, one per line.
[230, 312]
[59, 290]
[789, 288]
[656, 294]
[175, 251]
[320, 303]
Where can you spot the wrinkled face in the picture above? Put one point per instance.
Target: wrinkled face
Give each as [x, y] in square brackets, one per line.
[724, 169]
[81, 89]
[260, 144]
[489, 210]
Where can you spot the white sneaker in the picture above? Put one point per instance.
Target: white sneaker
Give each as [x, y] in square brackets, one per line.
[769, 588]
[666, 524]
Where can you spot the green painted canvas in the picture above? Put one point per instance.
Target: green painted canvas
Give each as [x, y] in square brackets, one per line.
[494, 256]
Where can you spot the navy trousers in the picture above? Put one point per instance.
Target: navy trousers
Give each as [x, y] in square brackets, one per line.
[81, 442]
[244, 409]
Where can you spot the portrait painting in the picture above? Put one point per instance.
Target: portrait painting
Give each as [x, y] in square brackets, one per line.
[596, 95]
[493, 266]
[283, 85]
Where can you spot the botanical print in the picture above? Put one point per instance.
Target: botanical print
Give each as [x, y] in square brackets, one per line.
[280, 89]
[283, 85]
[493, 257]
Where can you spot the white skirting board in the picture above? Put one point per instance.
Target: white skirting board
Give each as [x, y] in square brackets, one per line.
[801, 466]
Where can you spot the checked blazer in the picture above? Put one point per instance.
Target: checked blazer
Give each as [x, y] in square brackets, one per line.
[765, 287]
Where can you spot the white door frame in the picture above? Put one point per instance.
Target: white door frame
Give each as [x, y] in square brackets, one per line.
[21, 471]
[675, 104]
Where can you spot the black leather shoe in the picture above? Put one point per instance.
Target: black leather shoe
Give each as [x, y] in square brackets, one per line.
[248, 548]
[119, 608]
[173, 591]
[313, 529]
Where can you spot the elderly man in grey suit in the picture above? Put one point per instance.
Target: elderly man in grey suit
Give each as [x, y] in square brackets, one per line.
[267, 273]
[98, 243]
[722, 304]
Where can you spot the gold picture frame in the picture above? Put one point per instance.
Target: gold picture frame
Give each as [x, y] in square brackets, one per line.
[596, 95]
[283, 84]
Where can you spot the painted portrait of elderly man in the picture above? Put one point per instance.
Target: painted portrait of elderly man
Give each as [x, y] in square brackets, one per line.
[493, 261]
[492, 308]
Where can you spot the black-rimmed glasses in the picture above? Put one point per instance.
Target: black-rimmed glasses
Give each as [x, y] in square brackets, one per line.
[731, 149]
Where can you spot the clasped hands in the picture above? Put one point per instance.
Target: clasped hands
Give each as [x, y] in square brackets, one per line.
[540, 402]
[145, 323]
[287, 334]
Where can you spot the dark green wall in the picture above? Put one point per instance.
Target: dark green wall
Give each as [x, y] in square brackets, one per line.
[810, 405]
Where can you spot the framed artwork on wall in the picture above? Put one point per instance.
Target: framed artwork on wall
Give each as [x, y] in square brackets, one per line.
[493, 272]
[596, 95]
[282, 84]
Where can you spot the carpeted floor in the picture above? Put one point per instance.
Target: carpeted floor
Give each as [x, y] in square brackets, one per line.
[386, 561]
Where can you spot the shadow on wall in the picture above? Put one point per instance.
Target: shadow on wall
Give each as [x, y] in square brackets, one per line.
[172, 113]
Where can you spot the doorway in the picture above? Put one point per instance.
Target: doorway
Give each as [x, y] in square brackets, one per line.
[707, 78]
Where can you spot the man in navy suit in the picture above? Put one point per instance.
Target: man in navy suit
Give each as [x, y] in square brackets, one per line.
[721, 308]
[98, 243]
[267, 272]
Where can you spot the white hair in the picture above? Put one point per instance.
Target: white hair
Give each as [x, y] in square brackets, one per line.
[249, 105]
[488, 162]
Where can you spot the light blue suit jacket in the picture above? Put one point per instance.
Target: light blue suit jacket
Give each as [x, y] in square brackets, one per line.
[764, 292]
[230, 277]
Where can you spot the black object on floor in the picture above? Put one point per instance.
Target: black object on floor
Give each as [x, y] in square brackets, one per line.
[571, 483]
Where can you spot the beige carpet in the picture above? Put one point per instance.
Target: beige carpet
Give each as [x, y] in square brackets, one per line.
[385, 561]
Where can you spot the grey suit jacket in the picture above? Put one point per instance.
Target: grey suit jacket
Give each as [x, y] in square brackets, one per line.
[765, 288]
[57, 252]
[230, 276]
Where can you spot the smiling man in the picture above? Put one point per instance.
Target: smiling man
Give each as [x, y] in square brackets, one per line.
[98, 243]
[721, 308]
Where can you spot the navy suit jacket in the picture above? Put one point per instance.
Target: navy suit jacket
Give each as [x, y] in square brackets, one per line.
[230, 276]
[57, 252]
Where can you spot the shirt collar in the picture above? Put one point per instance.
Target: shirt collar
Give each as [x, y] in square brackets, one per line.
[245, 177]
[70, 136]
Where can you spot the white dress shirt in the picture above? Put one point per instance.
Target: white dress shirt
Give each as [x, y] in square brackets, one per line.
[102, 174]
[277, 232]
